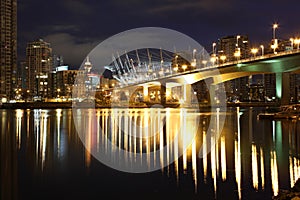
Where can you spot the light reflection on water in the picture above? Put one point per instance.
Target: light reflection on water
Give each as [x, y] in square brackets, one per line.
[244, 161]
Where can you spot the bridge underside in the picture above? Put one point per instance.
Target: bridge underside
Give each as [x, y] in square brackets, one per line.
[281, 66]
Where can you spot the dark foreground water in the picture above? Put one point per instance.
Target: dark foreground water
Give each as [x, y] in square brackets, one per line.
[43, 156]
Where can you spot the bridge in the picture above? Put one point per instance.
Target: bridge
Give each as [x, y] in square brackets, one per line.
[281, 63]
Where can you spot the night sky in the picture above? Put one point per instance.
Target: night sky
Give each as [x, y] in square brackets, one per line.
[74, 27]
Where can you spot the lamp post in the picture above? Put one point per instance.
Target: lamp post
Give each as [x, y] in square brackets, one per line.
[214, 48]
[275, 26]
[223, 58]
[237, 54]
[237, 40]
[275, 43]
[262, 50]
[297, 42]
[292, 43]
[213, 60]
[194, 63]
[254, 51]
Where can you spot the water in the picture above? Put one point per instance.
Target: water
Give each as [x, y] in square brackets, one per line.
[43, 157]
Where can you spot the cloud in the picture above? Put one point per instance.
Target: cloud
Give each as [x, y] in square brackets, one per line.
[78, 6]
[60, 28]
[169, 6]
[73, 49]
[192, 6]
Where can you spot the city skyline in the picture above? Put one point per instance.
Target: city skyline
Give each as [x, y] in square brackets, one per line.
[76, 27]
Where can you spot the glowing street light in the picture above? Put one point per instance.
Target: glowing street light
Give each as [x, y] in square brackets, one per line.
[237, 40]
[184, 67]
[213, 59]
[204, 62]
[223, 58]
[262, 50]
[237, 53]
[275, 26]
[275, 41]
[292, 43]
[214, 48]
[297, 42]
[194, 63]
[254, 51]
[175, 69]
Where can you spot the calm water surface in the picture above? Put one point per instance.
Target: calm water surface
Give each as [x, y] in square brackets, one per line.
[43, 157]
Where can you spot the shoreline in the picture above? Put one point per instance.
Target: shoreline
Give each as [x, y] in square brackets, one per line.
[54, 105]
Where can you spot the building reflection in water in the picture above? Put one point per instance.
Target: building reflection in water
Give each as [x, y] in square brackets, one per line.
[140, 137]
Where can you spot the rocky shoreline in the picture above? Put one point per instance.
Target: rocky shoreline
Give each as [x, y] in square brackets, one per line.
[293, 193]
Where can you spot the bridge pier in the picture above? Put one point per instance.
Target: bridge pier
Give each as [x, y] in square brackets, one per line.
[146, 93]
[283, 87]
[187, 94]
[163, 91]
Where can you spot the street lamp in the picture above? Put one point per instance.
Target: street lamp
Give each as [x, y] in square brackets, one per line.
[237, 53]
[194, 63]
[297, 42]
[275, 26]
[223, 58]
[237, 40]
[262, 50]
[275, 42]
[213, 59]
[254, 51]
[214, 48]
[58, 90]
[184, 67]
[175, 69]
[292, 43]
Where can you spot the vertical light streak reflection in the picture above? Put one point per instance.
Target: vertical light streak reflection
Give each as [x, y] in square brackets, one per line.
[161, 142]
[213, 164]
[274, 173]
[146, 135]
[28, 123]
[204, 156]
[296, 170]
[125, 134]
[184, 138]
[43, 140]
[292, 175]
[262, 169]
[100, 127]
[237, 150]
[88, 139]
[37, 115]
[154, 117]
[273, 130]
[194, 163]
[254, 167]
[58, 116]
[19, 116]
[217, 139]
[176, 153]
[223, 157]
[169, 129]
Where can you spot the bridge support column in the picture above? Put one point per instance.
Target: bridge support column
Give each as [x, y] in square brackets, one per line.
[146, 93]
[283, 87]
[187, 94]
[163, 91]
[212, 94]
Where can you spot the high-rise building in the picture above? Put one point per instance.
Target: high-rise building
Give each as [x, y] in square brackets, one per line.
[57, 61]
[39, 63]
[8, 47]
[233, 47]
[65, 82]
